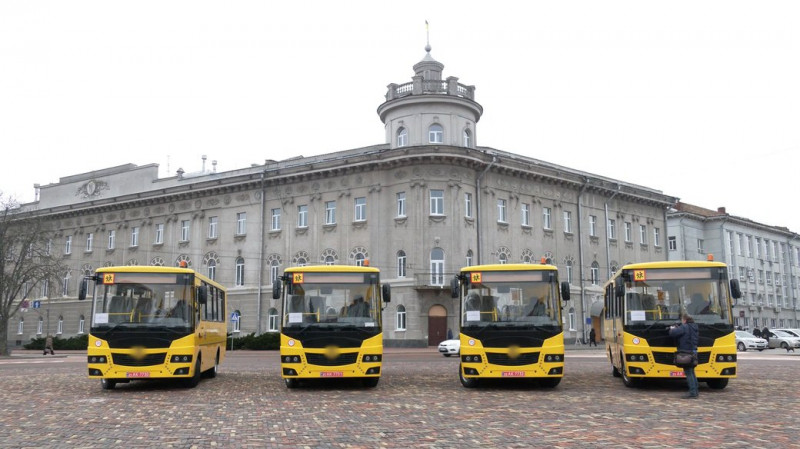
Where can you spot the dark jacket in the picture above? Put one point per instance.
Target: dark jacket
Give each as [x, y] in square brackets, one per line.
[688, 335]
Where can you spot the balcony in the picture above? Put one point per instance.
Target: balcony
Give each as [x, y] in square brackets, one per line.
[428, 280]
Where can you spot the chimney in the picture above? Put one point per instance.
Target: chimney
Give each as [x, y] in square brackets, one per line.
[721, 210]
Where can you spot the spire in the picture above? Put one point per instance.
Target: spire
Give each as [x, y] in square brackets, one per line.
[427, 38]
[429, 68]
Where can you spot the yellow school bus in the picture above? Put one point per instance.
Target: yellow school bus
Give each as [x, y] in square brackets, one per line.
[643, 299]
[331, 323]
[154, 323]
[511, 323]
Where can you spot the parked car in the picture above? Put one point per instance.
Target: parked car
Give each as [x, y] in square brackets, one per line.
[450, 347]
[795, 332]
[783, 340]
[745, 340]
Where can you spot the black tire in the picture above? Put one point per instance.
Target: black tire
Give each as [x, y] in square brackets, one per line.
[741, 347]
[212, 373]
[630, 382]
[615, 372]
[291, 383]
[550, 382]
[195, 379]
[371, 382]
[467, 382]
[447, 355]
[108, 384]
[784, 346]
[761, 349]
[717, 384]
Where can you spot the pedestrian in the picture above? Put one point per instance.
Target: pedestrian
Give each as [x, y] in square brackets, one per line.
[48, 345]
[592, 335]
[757, 332]
[449, 334]
[765, 334]
[688, 335]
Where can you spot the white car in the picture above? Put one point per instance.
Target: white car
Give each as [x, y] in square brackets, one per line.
[450, 347]
[745, 340]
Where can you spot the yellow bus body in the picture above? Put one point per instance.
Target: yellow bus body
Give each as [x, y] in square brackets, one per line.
[548, 359]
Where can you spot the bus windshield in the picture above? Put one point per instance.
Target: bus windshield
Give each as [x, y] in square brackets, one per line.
[326, 300]
[144, 300]
[519, 303]
[667, 294]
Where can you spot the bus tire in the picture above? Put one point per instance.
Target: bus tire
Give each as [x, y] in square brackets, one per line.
[195, 379]
[467, 382]
[291, 383]
[107, 384]
[550, 382]
[212, 372]
[629, 382]
[371, 382]
[717, 384]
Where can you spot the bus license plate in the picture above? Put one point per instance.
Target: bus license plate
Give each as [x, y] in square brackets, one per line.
[513, 373]
[677, 374]
[137, 374]
[331, 374]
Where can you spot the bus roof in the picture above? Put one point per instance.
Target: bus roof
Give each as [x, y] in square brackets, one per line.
[155, 269]
[510, 267]
[332, 269]
[674, 264]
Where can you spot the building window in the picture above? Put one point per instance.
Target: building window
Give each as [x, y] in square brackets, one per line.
[592, 225]
[302, 216]
[112, 237]
[239, 272]
[401, 204]
[40, 326]
[571, 319]
[569, 271]
[241, 223]
[159, 234]
[60, 325]
[469, 258]
[546, 218]
[502, 258]
[65, 285]
[236, 324]
[628, 231]
[81, 323]
[276, 219]
[21, 327]
[672, 243]
[401, 318]
[212, 227]
[501, 211]
[700, 246]
[402, 137]
[273, 320]
[135, 236]
[89, 240]
[184, 230]
[68, 244]
[437, 202]
[595, 273]
[329, 260]
[643, 234]
[273, 271]
[756, 247]
[435, 134]
[361, 209]
[468, 205]
[612, 229]
[401, 264]
[525, 219]
[48, 247]
[330, 212]
[656, 237]
[437, 266]
[567, 221]
[360, 258]
[212, 269]
[467, 138]
[45, 288]
[749, 247]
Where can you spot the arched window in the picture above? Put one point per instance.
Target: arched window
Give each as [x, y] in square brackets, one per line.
[437, 266]
[401, 264]
[469, 258]
[401, 318]
[436, 133]
[569, 271]
[237, 323]
[212, 269]
[595, 271]
[329, 260]
[571, 319]
[502, 259]
[360, 259]
[402, 137]
[239, 272]
[273, 271]
[272, 326]
[467, 138]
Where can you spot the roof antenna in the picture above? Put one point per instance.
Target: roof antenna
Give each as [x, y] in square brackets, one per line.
[427, 38]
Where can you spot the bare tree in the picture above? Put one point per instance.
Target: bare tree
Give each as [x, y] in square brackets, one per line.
[26, 260]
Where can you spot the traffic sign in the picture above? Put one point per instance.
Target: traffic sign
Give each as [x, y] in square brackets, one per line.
[235, 316]
[37, 304]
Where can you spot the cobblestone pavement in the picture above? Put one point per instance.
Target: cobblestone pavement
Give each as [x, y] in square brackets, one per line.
[49, 402]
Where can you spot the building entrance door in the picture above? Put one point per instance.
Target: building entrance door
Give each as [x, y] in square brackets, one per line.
[437, 325]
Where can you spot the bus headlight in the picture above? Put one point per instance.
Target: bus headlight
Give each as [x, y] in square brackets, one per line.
[290, 359]
[471, 358]
[726, 358]
[371, 358]
[180, 359]
[636, 357]
[97, 359]
[551, 358]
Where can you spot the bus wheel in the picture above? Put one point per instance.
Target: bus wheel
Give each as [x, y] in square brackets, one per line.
[195, 379]
[742, 347]
[615, 372]
[291, 383]
[717, 384]
[212, 373]
[107, 384]
[371, 382]
[467, 382]
[629, 382]
[550, 382]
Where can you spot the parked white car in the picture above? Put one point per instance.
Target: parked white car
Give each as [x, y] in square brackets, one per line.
[450, 347]
[745, 340]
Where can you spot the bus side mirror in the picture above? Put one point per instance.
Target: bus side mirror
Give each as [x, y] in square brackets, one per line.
[276, 289]
[454, 288]
[386, 291]
[736, 292]
[202, 294]
[83, 289]
[565, 291]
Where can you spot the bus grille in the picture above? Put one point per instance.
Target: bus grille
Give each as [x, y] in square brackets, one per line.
[526, 358]
[668, 358]
[147, 360]
[320, 359]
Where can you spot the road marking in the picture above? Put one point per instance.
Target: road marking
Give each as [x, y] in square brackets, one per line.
[17, 362]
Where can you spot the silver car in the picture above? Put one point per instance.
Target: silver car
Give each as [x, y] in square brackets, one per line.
[783, 340]
[795, 332]
[745, 340]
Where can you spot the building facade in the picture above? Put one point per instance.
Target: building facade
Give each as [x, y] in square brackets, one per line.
[765, 259]
[419, 207]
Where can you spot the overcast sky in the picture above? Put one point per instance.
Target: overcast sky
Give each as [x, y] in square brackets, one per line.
[698, 99]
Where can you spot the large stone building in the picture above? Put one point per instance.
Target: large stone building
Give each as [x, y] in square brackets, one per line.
[765, 259]
[419, 207]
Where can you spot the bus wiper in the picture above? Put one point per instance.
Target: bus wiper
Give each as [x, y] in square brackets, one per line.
[353, 326]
